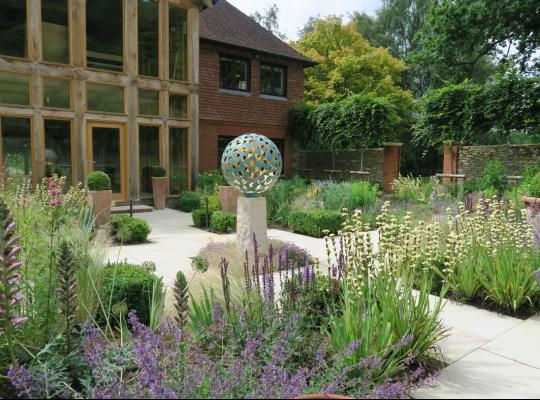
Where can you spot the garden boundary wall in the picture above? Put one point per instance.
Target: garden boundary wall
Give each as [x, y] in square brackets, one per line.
[471, 160]
[381, 165]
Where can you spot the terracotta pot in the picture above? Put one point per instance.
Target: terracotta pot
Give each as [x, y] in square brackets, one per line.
[159, 188]
[102, 203]
[228, 198]
[323, 396]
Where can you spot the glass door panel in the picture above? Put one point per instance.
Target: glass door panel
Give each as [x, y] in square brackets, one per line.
[106, 153]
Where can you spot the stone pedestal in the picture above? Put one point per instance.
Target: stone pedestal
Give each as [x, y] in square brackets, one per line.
[251, 219]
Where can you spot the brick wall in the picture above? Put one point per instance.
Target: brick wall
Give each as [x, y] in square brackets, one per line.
[516, 158]
[383, 164]
[229, 114]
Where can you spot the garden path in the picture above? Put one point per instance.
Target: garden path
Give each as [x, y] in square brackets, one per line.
[489, 355]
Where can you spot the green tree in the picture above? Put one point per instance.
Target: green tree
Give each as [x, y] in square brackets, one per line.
[460, 39]
[348, 65]
[269, 19]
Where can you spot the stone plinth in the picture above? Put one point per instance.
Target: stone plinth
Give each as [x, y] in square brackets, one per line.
[251, 219]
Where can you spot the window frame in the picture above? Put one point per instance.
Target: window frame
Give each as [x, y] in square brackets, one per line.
[160, 111]
[54, 78]
[32, 141]
[30, 90]
[72, 143]
[235, 58]
[70, 38]
[124, 98]
[273, 83]
[28, 41]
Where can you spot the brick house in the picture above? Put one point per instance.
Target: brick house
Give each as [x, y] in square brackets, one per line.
[248, 81]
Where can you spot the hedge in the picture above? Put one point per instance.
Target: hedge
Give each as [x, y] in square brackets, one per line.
[129, 285]
[126, 229]
[189, 201]
[223, 222]
[357, 122]
[314, 222]
[98, 181]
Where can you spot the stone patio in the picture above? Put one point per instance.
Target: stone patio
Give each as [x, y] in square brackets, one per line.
[489, 355]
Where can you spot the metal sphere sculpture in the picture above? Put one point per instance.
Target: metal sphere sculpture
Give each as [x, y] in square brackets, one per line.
[252, 164]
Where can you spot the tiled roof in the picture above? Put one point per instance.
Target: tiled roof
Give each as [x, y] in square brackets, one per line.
[225, 23]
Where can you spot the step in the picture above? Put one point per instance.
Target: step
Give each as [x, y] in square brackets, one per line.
[139, 208]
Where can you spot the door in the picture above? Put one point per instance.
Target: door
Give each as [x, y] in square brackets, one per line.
[106, 152]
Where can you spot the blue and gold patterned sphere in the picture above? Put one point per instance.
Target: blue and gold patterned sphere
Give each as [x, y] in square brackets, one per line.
[252, 164]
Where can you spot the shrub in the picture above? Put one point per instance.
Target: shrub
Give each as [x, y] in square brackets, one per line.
[315, 222]
[281, 196]
[126, 229]
[98, 181]
[199, 217]
[363, 194]
[189, 201]
[158, 172]
[208, 181]
[336, 197]
[223, 222]
[534, 186]
[408, 188]
[129, 287]
[494, 176]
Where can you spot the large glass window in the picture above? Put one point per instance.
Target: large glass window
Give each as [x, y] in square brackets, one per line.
[16, 146]
[58, 149]
[105, 98]
[148, 37]
[234, 74]
[13, 28]
[56, 93]
[178, 48]
[55, 26]
[149, 102]
[178, 107]
[14, 89]
[149, 144]
[105, 34]
[178, 159]
[273, 80]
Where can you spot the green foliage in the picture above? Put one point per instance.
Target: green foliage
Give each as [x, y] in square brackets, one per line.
[459, 39]
[130, 286]
[465, 281]
[189, 201]
[360, 121]
[223, 222]
[417, 190]
[181, 297]
[494, 177]
[208, 181]
[349, 195]
[98, 181]
[508, 278]
[315, 222]
[126, 229]
[471, 114]
[534, 186]
[280, 197]
[348, 65]
[159, 172]
[269, 19]
[199, 218]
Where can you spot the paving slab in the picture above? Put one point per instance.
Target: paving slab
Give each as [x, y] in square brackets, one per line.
[483, 375]
[521, 344]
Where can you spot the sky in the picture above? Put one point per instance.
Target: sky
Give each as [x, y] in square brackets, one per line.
[293, 14]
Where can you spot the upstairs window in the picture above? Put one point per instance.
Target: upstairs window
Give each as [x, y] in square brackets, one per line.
[13, 28]
[105, 35]
[55, 30]
[234, 73]
[178, 43]
[148, 26]
[273, 80]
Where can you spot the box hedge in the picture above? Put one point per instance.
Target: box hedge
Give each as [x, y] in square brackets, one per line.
[314, 222]
[189, 201]
[128, 286]
[223, 222]
[98, 181]
[126, 229]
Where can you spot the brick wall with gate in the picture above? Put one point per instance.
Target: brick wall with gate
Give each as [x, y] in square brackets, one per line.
[380, 165]
[470, 161]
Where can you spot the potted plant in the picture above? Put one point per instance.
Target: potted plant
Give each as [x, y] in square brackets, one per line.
[100, 193]
[159, 187]
[532, 200]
